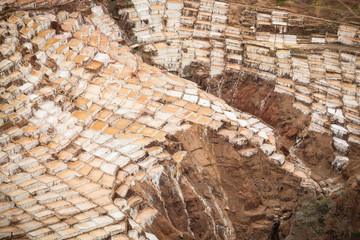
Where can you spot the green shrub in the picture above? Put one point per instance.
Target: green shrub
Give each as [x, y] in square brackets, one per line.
[321, 220]
[280, 2]
[317, 3]
[323, 206]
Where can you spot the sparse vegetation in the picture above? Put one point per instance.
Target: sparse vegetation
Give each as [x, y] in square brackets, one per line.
[280, 2]
[323, 205]
[317, 3]
[356, 11]
[357, 233]
[186, 71]
[322, 217]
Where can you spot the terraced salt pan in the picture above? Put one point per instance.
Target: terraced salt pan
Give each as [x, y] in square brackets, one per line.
[323, 82]
[82, 115]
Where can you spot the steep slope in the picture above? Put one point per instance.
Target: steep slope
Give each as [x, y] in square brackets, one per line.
[213, 184]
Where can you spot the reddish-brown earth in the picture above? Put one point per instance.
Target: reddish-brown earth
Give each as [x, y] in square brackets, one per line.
[225, 196]
[258, 98]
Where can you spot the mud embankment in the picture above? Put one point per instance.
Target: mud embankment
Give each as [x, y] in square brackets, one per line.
[214, 193]
[257, 96]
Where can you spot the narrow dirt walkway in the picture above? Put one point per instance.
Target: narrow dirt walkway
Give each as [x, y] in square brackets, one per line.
[355, 15]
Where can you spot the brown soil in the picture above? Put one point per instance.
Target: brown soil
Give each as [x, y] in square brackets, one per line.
[258, 98]
[224, 195]
[317, 151]
[351, 171]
